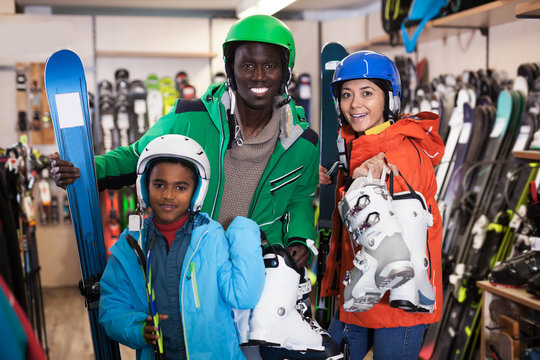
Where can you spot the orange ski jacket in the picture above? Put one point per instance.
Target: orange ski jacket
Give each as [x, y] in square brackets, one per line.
[415, 147]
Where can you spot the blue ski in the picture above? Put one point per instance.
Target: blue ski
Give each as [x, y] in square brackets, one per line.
[68, 100]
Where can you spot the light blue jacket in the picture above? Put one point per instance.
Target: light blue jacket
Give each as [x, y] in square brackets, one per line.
[221, 270]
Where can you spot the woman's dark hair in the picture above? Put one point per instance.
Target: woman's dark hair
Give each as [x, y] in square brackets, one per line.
[184, 163]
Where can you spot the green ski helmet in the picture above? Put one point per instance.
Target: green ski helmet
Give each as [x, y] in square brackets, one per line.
[260, 28]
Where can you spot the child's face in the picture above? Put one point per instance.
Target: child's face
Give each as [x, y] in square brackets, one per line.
[362, 104]
[170, 189]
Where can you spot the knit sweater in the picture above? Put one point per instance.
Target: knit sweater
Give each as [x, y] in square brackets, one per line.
[244, 166]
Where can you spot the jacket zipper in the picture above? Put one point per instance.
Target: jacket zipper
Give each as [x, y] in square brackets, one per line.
[193, 278]
[262, 182]
[267, 176]
[428, 251]
[220, 163]
[182, 297]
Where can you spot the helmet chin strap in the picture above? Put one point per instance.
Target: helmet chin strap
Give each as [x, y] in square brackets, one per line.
[232, 95]
[286, 90]
[393, 107]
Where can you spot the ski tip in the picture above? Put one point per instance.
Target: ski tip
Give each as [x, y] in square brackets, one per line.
[61, 57]
[62, 54]
[60, 63]
[334, 45]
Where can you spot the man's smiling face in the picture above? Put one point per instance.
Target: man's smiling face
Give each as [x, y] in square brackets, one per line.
[257, 72]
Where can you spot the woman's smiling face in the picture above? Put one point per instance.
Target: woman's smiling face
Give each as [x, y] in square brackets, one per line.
[362, 104]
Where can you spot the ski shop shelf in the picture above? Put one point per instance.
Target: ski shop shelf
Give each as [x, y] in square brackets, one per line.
[528, 155]
[518, 295]
[481, 17]
[528, 10]
[195, 55]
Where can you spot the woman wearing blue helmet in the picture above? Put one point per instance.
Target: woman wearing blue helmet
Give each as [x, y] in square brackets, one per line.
[373, 139]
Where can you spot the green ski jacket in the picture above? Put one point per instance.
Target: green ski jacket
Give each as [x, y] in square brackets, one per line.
[282, 204]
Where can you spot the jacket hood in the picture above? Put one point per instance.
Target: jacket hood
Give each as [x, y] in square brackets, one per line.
[423, 128]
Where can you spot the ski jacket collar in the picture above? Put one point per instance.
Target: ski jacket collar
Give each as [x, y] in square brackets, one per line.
[291, 127]
[422, 128]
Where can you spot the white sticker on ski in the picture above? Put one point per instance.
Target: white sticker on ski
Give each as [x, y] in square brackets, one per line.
[465, 133]
[69, 110]
[522, 138]
[535, 243]
[331, 65]
[499, 127]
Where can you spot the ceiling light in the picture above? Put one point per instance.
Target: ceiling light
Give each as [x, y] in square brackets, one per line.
[261, 7]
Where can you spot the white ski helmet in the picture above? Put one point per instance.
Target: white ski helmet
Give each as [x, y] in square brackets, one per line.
[180, 147]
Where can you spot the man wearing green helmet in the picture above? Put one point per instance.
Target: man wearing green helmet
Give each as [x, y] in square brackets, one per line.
[263, 156]
[233, 123]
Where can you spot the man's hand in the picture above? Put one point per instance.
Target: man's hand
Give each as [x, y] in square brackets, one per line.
[150, 332]
[63, 172]
[300, 253]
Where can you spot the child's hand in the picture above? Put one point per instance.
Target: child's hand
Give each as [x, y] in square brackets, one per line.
[150, 332]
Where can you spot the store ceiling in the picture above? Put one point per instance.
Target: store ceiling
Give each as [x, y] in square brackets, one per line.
[194, 5]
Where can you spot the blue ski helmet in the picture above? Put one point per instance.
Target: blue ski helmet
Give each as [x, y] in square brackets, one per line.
[368, 65]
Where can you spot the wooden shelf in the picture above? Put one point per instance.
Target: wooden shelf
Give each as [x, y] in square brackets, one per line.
[380, 41]
[530, 155]
[518, 295]
[481, 17]
[528, 10]
[107, 53]
[484, 16]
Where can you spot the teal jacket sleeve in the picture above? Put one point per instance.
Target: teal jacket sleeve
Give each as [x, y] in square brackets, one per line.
[241, 275]
[120, 312]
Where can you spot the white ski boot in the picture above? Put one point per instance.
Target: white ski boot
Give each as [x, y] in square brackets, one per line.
[416, 295]
[275, 323]
[383, 263]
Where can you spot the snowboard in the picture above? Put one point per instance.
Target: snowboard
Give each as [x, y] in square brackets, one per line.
[304, 94]
[21, 79]
[138, 97]
[168, 92]
[65, 83]
[154, 100]
[331, 55]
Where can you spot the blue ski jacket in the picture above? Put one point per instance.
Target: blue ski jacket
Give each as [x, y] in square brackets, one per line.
[221, 270]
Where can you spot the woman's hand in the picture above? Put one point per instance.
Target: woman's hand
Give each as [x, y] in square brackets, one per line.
[375, 165]
[323, 178]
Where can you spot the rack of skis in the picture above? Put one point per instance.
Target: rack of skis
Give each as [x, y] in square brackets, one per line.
[486, 196]
[123, 111]
[21, 169]
[127, 108]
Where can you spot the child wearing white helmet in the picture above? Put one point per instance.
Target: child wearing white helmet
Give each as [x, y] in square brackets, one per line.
[173, 295]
